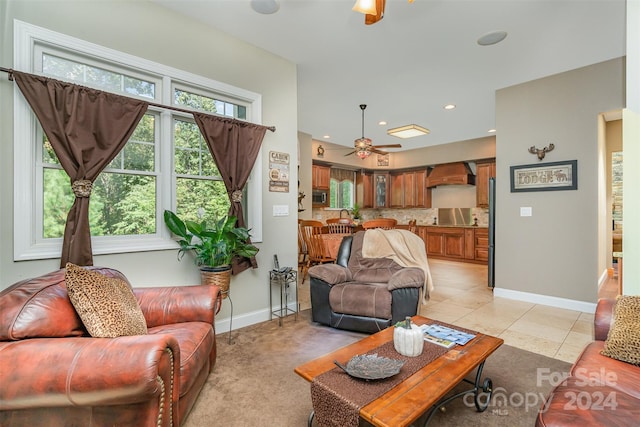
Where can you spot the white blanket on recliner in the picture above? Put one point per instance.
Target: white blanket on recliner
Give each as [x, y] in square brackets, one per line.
[402, 246]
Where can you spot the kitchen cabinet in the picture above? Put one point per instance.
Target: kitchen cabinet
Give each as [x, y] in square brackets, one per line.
[407, 190]
[453, 242]
[484, 171]
[320, 177]
[364, 189]
[469, 243]
[397, 185]
[422, 193]
[381, 189]
[481, 244]
[456, 243]
[435, 243]
[446, 242]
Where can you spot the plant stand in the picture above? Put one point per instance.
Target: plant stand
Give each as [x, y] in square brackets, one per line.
[283, 280]
[227, 296]
[219, 276]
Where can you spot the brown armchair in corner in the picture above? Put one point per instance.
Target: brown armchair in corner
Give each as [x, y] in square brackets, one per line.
[52, 371]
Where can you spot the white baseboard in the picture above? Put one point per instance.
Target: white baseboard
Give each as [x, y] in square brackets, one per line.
[247, 319]
[603, 278]
[568, 304]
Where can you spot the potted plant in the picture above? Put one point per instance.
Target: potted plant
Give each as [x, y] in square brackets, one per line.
[356, 213]
[214, 246]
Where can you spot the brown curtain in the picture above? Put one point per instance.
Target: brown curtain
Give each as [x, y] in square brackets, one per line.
[87, 128]
[342, 174]
[234, 146]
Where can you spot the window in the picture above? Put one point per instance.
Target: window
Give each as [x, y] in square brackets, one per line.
[166, 163]
[184, 98]
[87, 75]
[123, 199]
[200, 192]
[341, 188]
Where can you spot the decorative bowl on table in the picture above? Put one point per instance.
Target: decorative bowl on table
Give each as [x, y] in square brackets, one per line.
[371, 367]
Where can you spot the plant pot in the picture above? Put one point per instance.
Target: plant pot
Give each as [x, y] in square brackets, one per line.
[219, 276]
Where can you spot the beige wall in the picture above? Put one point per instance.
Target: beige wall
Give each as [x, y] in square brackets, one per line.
[473, 149]
[304, 160]
[555, 251]
[631, 141]
[631, 199]
[154, 33]
[445, 196]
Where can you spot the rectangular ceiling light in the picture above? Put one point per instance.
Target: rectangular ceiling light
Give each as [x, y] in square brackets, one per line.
[408, 131]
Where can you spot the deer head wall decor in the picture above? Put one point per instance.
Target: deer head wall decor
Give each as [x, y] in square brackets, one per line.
[541, 151]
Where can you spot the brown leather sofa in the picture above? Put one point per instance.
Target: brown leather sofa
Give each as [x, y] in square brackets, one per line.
[53, 373]
[600, 391]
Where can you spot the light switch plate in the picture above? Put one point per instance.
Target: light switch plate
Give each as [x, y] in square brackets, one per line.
[526, 211]
[280, 210]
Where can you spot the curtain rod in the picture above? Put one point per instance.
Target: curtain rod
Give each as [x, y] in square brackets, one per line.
[153, 104]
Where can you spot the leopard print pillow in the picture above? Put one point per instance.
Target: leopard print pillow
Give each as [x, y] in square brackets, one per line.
[623, 341]
[106, 305]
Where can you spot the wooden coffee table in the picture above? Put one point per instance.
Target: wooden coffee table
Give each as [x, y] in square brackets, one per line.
[423, 391]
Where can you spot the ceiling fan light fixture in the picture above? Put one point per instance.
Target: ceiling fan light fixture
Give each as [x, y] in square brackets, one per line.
[408, 131]
[363, 153]
[362, 142]
[368, 7]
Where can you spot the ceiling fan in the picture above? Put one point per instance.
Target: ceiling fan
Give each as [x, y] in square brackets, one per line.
[372, 9]
[364, 147]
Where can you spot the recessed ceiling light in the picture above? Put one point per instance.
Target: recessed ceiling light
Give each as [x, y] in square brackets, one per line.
[449, 107]
[492, 38]
[327, 136]
[382, 123]
[491, 131]
[266, 7]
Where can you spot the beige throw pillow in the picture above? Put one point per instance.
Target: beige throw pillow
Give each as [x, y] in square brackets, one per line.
[106, 305]
[623, 341]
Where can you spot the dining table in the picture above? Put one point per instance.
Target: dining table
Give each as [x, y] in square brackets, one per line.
[331, 243]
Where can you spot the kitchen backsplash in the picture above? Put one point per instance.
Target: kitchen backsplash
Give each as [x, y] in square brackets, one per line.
[422, 216]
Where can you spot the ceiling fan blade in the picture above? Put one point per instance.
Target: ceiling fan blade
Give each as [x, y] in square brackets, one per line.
[388, 146]
[373, 150]
[350, 153]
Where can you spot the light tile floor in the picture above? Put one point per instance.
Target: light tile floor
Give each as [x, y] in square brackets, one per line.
[461, 297]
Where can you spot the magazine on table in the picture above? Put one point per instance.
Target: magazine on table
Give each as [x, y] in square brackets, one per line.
[439, 341]
[446, 334]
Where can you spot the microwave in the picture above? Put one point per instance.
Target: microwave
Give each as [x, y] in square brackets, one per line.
[320, 198]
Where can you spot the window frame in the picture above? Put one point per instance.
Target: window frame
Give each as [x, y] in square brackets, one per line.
[28, 241]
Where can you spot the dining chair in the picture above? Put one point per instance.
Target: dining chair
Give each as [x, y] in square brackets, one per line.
[317, 254]
[384, 223]
[303, 253]
[340, 226]
[303, 249]
[413, 226]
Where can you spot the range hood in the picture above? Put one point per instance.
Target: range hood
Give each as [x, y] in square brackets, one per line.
[451, 173]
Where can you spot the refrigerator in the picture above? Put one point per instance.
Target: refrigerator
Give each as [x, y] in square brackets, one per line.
[492, 233]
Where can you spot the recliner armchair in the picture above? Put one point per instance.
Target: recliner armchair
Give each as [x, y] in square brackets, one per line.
[363, 294]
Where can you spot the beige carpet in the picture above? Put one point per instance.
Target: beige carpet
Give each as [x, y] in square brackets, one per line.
[253, 383]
